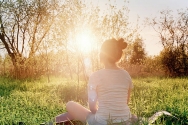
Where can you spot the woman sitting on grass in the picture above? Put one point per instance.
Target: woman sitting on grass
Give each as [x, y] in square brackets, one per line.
[108, 91]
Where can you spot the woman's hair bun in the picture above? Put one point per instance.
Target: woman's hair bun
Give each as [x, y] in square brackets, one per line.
[121, 43]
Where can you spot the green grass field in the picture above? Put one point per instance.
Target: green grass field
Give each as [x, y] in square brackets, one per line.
[36, 101]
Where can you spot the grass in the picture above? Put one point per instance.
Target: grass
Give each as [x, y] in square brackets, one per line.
[36, 101]
[154, 94]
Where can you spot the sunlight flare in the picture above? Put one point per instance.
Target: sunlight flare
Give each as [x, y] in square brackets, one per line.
[84, 42]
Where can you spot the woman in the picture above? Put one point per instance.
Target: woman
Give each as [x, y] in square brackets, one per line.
[108, 91]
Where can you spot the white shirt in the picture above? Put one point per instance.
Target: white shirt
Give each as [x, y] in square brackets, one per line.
[110, 87]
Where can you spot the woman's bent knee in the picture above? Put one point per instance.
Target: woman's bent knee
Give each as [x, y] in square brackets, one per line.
[77, 111]
[69, 104]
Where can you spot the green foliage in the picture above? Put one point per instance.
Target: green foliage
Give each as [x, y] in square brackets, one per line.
[24, 25]
[36, 29]
[6, 65]
[173, 33]
[34, 102]
[174, 62]
[153, 66]
[138, 54]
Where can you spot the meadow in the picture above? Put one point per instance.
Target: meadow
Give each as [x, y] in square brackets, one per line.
[37, 101]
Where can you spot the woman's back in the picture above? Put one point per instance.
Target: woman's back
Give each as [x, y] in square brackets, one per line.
[112, 92]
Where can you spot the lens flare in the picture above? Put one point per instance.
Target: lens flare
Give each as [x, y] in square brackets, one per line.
[84, 41]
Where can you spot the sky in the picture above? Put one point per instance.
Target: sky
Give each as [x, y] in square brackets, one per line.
[151, 8]
[148, 9]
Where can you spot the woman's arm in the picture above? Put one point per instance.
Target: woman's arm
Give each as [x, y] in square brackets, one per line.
[93, 106]
[92, 99]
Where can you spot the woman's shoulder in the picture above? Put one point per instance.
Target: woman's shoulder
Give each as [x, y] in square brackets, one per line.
[96, 73]
[102, 72]
[125, 71]
[94, 78]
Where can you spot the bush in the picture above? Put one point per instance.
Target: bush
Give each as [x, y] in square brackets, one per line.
[174, 61]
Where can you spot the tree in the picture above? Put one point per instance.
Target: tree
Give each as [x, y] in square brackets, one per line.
[1, 64]
[173, 33]
[6, 65]
[138, 52]
[75, 17]
[24, 25]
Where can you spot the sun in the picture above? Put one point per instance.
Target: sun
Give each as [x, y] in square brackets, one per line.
[84, 42]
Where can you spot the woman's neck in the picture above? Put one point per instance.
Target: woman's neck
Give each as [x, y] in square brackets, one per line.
[111, 66]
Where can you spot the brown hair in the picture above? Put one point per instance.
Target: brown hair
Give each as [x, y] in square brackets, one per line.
[112, 49]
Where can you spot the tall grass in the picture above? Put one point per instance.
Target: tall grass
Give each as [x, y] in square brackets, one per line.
[154, 94]
[36, 101]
